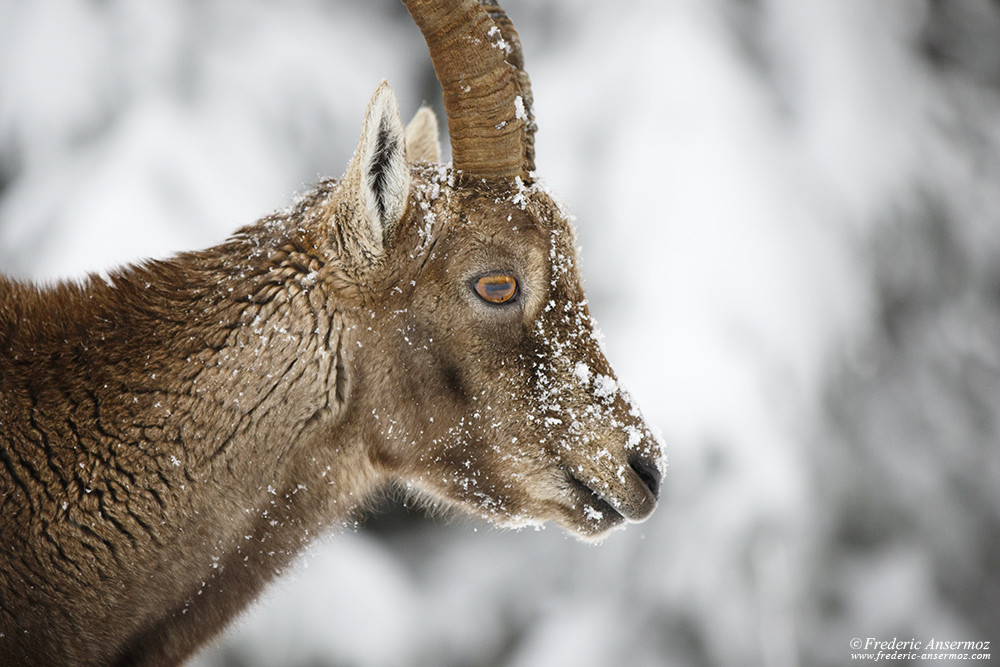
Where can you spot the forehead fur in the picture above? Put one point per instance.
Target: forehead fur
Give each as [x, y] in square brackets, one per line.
[526, 211]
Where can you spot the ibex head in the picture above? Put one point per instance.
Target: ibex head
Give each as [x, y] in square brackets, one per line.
[480, 371]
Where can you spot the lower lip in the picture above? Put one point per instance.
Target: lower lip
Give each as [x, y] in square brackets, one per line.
[609, 514]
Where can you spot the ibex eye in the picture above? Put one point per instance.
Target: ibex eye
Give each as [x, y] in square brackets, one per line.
[496, 289]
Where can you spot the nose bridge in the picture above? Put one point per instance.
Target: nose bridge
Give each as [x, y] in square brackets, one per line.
[580, 392]
[612, 426]
[597, 413]
[572, 374]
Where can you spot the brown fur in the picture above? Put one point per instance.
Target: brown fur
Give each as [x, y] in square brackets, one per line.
[170, 438]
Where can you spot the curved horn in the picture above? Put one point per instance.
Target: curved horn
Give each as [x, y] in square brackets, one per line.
[487, 94]
[515, 57]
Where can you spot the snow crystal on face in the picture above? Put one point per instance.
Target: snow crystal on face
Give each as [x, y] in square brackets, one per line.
[605, 387]
[582, 372]
[592, 514]
[440, 179]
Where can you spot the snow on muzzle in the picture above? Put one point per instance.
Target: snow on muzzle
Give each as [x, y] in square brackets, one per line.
[629, 490]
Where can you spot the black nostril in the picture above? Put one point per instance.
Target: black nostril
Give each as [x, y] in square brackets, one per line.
[648, 472]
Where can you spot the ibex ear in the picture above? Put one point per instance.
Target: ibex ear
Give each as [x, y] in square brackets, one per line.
[422, 144]
[378, 169]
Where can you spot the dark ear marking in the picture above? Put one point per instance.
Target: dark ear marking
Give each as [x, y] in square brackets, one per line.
[383, 176]
[385, 148]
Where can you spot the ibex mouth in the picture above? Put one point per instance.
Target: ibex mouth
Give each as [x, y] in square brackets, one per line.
[634, 501]
[596, 510]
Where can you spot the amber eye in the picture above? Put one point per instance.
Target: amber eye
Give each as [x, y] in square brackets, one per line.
[496, 289]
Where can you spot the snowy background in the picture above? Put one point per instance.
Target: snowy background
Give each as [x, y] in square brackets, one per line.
[790, 220]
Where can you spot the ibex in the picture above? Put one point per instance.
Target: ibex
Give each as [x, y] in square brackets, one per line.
[173, 434]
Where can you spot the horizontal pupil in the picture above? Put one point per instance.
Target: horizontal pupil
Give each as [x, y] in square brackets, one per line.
[499, 288]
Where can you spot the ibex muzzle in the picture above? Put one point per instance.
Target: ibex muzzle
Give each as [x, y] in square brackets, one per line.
[171, 436]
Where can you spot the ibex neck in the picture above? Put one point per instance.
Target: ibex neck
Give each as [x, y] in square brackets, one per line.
[180, 379]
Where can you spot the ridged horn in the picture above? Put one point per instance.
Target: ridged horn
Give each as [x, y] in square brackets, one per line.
[487, 95]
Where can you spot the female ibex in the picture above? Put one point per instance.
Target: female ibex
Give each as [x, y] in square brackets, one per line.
[171, 436]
